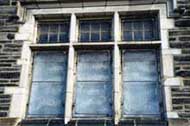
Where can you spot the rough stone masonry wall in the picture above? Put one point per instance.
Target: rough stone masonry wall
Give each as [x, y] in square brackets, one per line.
[180, 38]
[10, 52]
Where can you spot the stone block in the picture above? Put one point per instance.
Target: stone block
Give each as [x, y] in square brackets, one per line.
[178, 122]
[182, 23]
[9, 121]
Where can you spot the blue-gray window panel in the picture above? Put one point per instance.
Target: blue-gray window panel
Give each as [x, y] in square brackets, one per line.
[94, 83]
[48, 84]
[43, 38]
[34, 125]
[53, 32]
[141, 98]
[92, 123]
[144, 124]
[140, 29]
[95, 124]
[93, 98]
[43, 124]
[95, 30]
[94, 66]
[140, 83]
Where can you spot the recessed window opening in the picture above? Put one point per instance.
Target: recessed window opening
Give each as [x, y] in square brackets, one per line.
[139, 28]
[93, 96]
[53, 32]
[96, 30]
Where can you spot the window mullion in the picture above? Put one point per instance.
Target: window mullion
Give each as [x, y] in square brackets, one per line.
[116, 84]
[100, 32]
[59, 32]
[90, 32]
[73, 28]
[69, 85]
[144, 29]
[48, 33]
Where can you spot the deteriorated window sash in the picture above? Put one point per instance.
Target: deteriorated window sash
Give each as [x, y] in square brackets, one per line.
[139, 30]
[53, 32]
[140, 83]
[95, 30]
[93, 96]
[48, 84]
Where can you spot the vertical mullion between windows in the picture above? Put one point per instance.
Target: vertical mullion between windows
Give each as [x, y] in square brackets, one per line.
[144, 29]
[59, 32]
[48, 33]
[132, 28]
[90, 32]
[100, 32]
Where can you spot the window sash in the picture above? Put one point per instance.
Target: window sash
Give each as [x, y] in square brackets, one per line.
[148, 29]
[99, 30]
[53, 36]
[96, 86]
[146, 102]
[48, 84]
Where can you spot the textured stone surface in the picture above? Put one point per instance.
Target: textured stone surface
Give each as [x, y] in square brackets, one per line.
[10, 52]
[179, 122]
[180, 38]
[5, 101]
[8, 121]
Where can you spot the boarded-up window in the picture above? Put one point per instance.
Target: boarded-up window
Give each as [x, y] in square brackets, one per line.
[140, 83]
[48, 84]
[94, 84]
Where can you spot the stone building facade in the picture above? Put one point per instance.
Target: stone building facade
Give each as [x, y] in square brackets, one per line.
[52, 50]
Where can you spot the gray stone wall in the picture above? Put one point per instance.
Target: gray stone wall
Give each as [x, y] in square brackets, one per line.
[180, 38]
[10, 52]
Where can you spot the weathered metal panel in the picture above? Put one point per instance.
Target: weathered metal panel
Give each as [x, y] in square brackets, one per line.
[48, 84]
[94, 85]
[140, 83]
[94, 66]
[34, 125]
[139, 66]
[50, 66]
[140, 98]
[47, 99]
[93, 98]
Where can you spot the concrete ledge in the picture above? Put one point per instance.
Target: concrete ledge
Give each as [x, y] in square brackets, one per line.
[176, 81]
[172, 115]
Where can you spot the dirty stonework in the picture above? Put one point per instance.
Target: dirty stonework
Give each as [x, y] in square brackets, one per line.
[95, 62]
